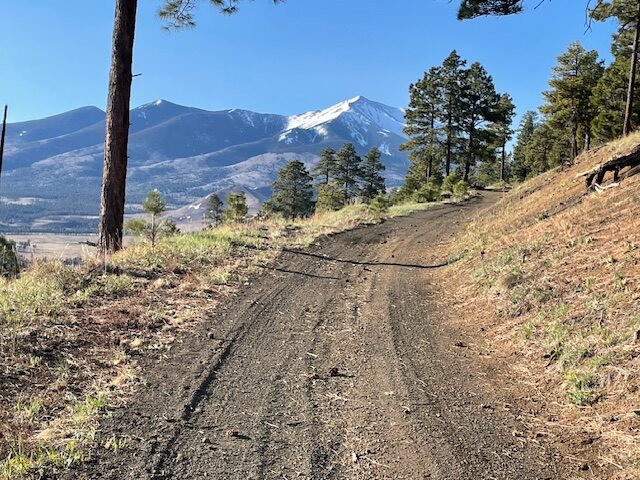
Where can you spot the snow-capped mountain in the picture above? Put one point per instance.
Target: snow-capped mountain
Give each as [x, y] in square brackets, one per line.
[186, 152]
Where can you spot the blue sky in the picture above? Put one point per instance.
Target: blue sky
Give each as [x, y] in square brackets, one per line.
[290, 58]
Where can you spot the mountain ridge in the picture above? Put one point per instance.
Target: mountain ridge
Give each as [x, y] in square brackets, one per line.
[186, 152]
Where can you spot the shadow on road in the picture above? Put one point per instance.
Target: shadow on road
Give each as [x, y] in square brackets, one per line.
[368, 264]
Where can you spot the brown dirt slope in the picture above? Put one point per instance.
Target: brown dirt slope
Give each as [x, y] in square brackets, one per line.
[553, 274]
[334, 363]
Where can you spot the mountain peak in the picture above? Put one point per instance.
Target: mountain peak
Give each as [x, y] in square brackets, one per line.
[359, 110]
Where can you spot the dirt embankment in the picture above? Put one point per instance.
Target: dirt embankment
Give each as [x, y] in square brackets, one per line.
[336, 362]
[552, 275]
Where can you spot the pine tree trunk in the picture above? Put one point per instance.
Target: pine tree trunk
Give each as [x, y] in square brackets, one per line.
[469, 160]
[574, 142]
[3, 135]
[628, 113]
[587, 140]
[117, 129]
[503, 161]
[447, 166]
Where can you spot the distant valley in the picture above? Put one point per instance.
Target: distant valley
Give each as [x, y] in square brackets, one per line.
[53, 166]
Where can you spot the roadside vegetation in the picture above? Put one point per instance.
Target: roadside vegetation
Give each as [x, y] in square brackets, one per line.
[552, 274]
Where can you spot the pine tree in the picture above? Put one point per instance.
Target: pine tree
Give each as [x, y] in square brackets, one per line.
[479, 102]
[112, 198]
[213, 214]
[292, 192]
[348, 170]
[568, 104]
[501, 129]
[520, 167]
[326, 167]
[237, 209]
[154, 205]
[451, 74]
[609, 101]
[549, 147]
[421, 117]
[477, 8]
[626, 43]
[371, 181]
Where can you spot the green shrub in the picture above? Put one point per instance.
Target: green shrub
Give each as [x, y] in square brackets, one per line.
[380, 204]
[460, 190]
[330, 198]
[450, 182]
[9, 264]
[427, 193]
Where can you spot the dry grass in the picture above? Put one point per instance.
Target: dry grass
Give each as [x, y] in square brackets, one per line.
[71, 337]
[555, 272]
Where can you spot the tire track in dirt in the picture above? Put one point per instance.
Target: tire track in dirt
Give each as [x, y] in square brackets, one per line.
[334, 363]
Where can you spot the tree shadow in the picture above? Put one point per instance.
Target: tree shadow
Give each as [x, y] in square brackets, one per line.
[366, 263]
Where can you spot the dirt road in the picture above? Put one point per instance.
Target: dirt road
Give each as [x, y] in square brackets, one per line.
[334, 363]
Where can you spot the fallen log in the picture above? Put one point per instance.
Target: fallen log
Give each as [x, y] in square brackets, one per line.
[596, 175]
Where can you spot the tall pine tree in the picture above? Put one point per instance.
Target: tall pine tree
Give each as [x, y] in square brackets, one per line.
[177, 14]
[501, 129]
[371, 180]
[451, 74]
[348, 170]
[479, 107]
[477, 8]
[520, 168]
[568, 104]
[421, 117]
[626, 44]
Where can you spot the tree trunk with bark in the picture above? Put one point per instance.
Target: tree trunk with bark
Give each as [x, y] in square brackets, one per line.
[574, 141]
[447, 166]
[628, 113]
[503, 161]
[117, 129]
[3, 135]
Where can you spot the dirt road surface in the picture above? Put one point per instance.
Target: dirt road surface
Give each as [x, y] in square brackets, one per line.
[333, 364]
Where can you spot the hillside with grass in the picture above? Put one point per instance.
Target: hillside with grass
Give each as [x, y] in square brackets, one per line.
[553, 274]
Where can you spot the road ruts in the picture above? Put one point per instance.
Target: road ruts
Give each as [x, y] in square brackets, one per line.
[335, 363]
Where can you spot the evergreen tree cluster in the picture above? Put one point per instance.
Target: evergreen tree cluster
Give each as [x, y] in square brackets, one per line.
[573, 116]
[235, 211]
[455, 117]
[343, 175]
[340, 176]
[588, 103]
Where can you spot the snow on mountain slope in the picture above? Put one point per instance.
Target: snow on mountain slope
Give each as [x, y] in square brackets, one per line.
[359, 115]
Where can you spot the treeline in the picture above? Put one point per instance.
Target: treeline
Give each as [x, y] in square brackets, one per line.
[588, 103]
[339, 177]
[456, 121]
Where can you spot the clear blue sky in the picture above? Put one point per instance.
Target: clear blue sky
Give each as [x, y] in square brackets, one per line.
[298, 56]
